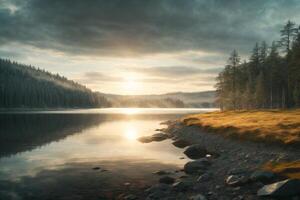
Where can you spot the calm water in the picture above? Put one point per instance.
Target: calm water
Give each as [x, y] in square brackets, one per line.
[51, 155]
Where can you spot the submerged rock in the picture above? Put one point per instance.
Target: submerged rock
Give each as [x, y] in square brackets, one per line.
[145, 139]
[167, 180]
[96, 168]
[286, 188]
[159, 137]
[180, 143]
[194, 167]
[195, 151]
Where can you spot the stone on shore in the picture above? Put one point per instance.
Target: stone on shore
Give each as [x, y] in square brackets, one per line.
[285, 188]
[183, 185]
[159, 137]
[161, 172]
[167, 180]
[180, 143]
[195, 151]
[193, 167]
[236, 180]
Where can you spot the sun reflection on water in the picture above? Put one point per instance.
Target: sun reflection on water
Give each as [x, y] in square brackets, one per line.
[130, 133]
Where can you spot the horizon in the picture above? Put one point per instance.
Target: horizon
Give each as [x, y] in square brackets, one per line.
[136, 48]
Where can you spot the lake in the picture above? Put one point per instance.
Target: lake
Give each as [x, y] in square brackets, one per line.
[83, 153]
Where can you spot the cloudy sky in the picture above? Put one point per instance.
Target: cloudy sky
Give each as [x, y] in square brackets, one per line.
[138, 46]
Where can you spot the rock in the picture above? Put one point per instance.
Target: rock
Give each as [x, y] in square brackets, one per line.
[130, 197]
[198, 197]
[158, 187]
[237, 171]
[159, 137]
[167, 180]
[195, 151]
[96, 168]
[180, 143]
[145, 139]
[262, 176]
[286, 188]
[161, 172]
[182, 186]
[236, 180]
[158, 191]
[204, 177]
[193, 167]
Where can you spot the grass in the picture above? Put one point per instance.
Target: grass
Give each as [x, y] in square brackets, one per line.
[288, 169]
[276, 126]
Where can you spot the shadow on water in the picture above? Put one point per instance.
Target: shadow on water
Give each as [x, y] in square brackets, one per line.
[77, 181]
[23, 132]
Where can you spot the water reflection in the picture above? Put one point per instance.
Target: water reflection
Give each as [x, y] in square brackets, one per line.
[51, 150]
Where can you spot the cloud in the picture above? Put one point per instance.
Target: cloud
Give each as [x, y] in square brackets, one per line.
[174, 71]
[134, 27]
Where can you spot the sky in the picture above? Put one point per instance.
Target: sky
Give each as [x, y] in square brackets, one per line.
[138, 46]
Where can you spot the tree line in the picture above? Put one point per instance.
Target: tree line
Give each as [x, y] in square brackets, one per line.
[24, 86]
[269, 79]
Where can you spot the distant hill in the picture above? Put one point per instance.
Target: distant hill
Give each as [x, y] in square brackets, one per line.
[23, 86]
[177, 99]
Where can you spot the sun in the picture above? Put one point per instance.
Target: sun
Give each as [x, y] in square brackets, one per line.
[130, 84]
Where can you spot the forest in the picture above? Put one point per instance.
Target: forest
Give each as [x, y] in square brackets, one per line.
[270, 79]
[24, 86]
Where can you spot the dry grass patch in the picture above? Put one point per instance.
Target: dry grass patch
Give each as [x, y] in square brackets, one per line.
[289, 169]
[282, 126]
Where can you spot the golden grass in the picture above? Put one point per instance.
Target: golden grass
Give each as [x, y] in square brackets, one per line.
[282, 126]
[288, 169]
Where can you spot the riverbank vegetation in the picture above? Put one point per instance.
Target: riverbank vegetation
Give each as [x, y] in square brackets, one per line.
[278, 126]
[270, 79]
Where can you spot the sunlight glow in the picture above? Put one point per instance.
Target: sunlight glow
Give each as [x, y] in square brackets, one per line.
[130, 111]
[131, 84]
[130, 133]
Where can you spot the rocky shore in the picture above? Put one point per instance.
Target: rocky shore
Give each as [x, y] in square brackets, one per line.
[219, 168]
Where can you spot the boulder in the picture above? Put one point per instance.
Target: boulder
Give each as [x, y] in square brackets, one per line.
[195, 151]
[159, 137]
[145, 139]
[285, 188]
[182, 186]
[262, 176]
[180, 143]
[167, 180]
[193, 167]
[236, 180]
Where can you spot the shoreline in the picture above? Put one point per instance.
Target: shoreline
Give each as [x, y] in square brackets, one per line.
[235, 159]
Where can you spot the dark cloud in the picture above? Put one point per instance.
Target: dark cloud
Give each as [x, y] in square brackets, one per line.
[117, 27]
